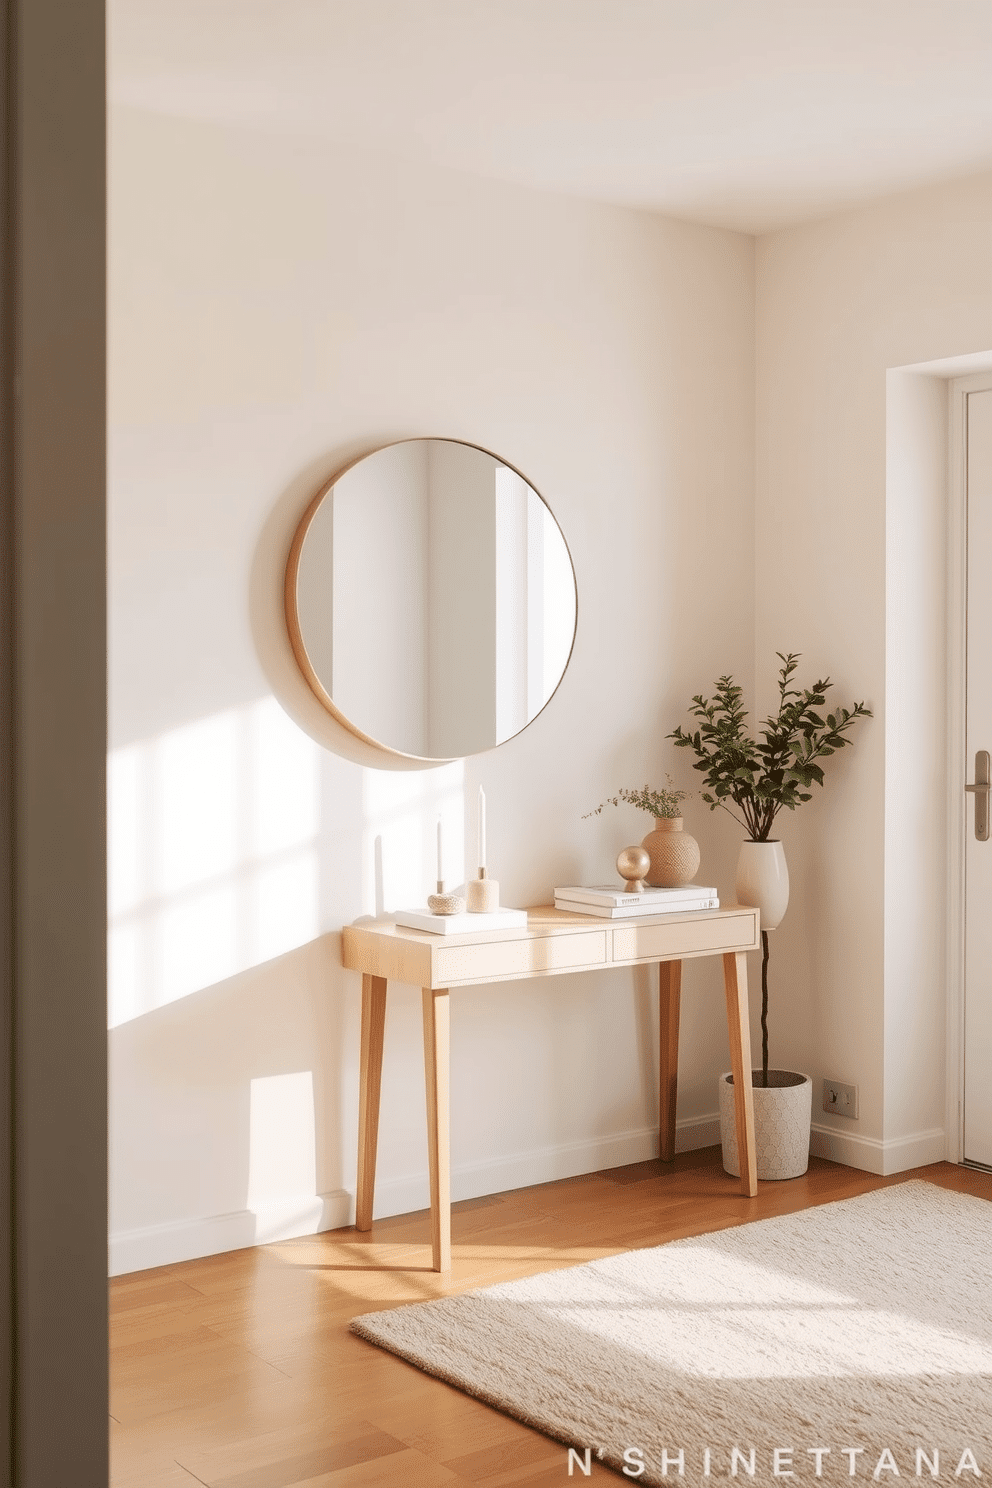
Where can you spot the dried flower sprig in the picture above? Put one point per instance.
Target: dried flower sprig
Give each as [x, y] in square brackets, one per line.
[666, 802]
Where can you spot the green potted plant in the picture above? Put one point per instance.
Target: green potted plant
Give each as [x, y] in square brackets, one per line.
[759, 775]
[673, 853]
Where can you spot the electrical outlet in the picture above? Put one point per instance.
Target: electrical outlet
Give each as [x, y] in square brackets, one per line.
[840, 1100]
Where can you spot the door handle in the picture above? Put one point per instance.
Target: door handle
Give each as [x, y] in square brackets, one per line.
[980, 790]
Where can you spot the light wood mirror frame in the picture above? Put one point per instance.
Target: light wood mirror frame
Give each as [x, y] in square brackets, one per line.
[437, 555]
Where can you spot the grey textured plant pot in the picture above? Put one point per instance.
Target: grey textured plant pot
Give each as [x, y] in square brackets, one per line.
[782, 1115]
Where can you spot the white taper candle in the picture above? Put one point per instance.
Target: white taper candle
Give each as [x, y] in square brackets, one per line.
[482, 828]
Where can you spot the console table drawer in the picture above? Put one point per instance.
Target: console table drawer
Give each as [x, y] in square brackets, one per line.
[518, 958]
[684, 938]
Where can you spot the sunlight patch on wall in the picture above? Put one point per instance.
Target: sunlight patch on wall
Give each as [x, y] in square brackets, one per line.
[212, 854]
[399, 843]
[282, 1156]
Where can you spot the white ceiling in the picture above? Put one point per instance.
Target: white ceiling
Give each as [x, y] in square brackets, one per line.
[749, 114]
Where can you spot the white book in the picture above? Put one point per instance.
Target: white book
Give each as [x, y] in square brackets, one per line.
[606, 894]
[461, 924]
[638, 911]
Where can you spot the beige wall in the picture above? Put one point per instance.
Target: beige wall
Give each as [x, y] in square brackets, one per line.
[304, 304]
[275, 309]
[850, 545]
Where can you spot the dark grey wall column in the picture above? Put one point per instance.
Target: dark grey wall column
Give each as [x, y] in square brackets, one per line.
[7, 1338]
[53, 733]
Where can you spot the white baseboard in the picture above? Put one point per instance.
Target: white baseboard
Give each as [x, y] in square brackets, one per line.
[875, 1156]
[546, 1165]
[520, 1170]
[188, 1240]
[696, 1132]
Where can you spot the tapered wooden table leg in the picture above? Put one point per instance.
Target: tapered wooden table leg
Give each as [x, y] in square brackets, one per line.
[735, 984]
[370, 1083]
[669, 998]
[436, 1067]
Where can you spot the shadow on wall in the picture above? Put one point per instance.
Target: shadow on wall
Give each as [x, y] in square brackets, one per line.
[222, 850]
[231, 1018]
[222, 1107]
[213, 854]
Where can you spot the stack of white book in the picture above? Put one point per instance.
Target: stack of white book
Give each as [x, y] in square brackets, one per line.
[619, 904]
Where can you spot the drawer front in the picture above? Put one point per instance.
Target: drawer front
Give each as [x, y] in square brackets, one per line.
[685, 938]
[518, 958]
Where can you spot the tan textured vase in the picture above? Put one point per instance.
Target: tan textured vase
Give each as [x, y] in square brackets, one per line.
[674, 854]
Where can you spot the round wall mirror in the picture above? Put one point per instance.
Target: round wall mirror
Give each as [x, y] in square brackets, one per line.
[431, 599]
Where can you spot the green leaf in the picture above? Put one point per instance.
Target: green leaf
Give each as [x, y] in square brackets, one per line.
[774, 768]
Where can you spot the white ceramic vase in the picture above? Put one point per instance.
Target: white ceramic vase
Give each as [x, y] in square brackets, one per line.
[763, 880]
[782, 1116]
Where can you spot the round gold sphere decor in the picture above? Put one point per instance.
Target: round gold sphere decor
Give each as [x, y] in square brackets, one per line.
[632, 865]
[674, 854]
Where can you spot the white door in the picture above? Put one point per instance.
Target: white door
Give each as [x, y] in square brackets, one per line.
[978, 741]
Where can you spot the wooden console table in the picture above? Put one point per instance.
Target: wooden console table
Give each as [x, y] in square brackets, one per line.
[552, 943]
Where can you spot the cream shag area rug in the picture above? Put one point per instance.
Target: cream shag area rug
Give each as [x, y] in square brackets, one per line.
[855, 1337]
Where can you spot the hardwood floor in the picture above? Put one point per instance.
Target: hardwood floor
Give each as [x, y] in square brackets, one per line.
[238, 1371]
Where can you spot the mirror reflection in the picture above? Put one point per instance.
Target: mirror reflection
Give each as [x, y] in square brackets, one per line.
[431, 599]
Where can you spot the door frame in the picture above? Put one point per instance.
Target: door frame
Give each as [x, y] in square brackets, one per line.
[958, 389]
